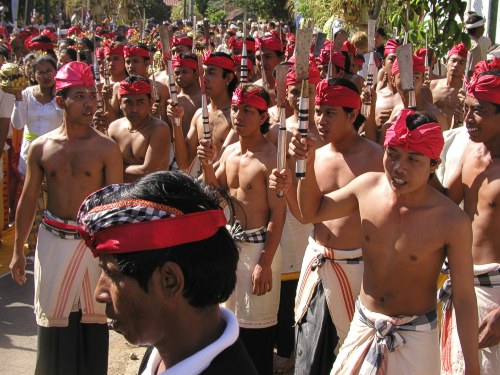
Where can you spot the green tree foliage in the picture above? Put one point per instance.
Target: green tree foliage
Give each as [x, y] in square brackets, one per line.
[266, 9]
[202, 6]
[437, 19]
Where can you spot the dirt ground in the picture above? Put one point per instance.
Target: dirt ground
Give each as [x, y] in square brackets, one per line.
[124, 358]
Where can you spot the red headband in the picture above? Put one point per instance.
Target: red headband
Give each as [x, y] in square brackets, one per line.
[348, 47]
[152, 234]
[418, 65]
[72, 74]
[426, 139]
[249, 98]
[237, 62]
[136, 88]
[390, 47]
[459, 49]
[179, 62]
[238, 44]
[338, 59]
[135, 51]
[314, 78]
[182, 41]
[485, 87]
[336, 96]
[269, 42]
[74, 30]
[116, 50]
[222, 62]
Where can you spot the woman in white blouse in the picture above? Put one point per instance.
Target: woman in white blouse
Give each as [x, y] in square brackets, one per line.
[36, 111]
[35, 108]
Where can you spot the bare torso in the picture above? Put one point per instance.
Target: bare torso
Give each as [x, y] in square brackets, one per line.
[335, 170]
[445, 98]
[135, 144]
[481, 180]
[73, 168]
[403, 248]
[247, 180]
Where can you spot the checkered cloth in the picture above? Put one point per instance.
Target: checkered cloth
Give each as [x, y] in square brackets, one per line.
[120, 212]
[241, 235]
[388, 337]
[63, 233]
[488, 279]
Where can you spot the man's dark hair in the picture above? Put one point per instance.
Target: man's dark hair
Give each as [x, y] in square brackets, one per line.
[415, 120]
[209, 266]
[360, 119]
[471, 19]
[382, 32]
[42, 60]
[234, 82]
[68, 41]
[134, 78]
[88, 43]
[71, 52]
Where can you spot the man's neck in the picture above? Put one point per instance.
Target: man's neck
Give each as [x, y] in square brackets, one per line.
[220, 102]
[139, 124]
[75, 130]
[344, 144]
[249, 142]
[493, 146]
[191, 90]
[118, 77]
[453, 81]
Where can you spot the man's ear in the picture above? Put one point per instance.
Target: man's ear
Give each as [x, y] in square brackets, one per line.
[171, 280]
[60, 102]
[229, 78]
[434, 164]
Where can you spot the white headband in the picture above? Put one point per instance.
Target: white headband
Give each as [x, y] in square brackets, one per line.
[474, 25]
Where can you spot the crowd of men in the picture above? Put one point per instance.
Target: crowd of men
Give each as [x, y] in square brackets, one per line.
[152, 173]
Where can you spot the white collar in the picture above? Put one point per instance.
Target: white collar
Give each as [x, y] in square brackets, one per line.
[199, 361]
[476, 24]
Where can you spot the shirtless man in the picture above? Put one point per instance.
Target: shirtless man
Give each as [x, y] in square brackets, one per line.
[180, 45]
[445, 90]
[477, 182]
[244, 170]
[75, 160]
[137, 59]
[144, 140]
[423, 106]
[404, 246]
[115, 62]
[270, 52]
[386, 97]
[186, 77]
[220, 82]
[320, 311]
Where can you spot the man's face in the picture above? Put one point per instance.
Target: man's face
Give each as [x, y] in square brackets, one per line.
[131, 309]
[456, 66]
[269, 59]
[247, 119]
[418, 80]
[185, 77]
[481, 119]
[179, 49]
[388, 62]
[333, 123]
[135, 107]
[137, 65]
[407, 170]
[293, 95]
[215, 83]
[115, 64]
[80, 104]
[379, 40]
